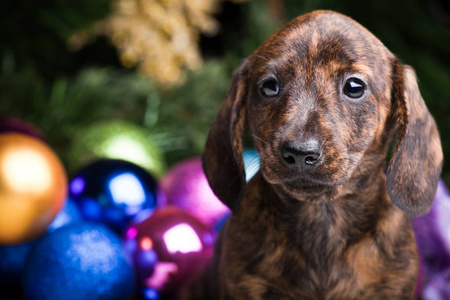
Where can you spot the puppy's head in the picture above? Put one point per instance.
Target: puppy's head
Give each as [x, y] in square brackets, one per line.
[321, 97]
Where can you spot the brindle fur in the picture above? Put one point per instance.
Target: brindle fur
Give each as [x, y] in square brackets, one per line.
[341, 230]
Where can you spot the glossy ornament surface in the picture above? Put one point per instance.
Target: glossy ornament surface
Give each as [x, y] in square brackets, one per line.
[186, 187]
[69, 214]
[113, 192]
[251, 163]
[168, 249]
[33, 187]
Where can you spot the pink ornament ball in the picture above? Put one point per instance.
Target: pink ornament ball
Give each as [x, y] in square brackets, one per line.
[186, 187]
[168, 248]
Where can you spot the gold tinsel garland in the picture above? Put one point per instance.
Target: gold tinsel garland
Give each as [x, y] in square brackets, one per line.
[160, 37]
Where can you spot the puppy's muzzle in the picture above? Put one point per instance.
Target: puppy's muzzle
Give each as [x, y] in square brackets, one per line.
[301, 155]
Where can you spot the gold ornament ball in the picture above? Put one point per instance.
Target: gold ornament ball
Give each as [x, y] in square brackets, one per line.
[33, 187]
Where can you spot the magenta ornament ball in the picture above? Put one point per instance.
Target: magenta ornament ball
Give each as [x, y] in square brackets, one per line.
[16, 125]
[168, 248]
[186, 187]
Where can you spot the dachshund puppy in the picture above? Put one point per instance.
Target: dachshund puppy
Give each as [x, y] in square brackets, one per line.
[323, 98]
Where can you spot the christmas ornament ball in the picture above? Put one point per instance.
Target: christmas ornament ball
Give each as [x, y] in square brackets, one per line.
[69, 214]
[12, 265]
[440, 212]
[116, 139]
[251, 163]
[113, 192]
[16, 125]
[185, 186]
[33, 187]
[431, 232]
[433, 244]
[438, 288]
[79, 261]
[13, 258]
[168, 248]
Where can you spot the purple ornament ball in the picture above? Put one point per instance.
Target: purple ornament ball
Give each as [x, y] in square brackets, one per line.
[438, 288]
[441, 212]
[433, 242]
[15, 125]
[431, 231]
[168, 249]
[186, 187]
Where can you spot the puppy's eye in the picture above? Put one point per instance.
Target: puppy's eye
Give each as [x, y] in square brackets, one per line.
[269, 88]
[354, 88]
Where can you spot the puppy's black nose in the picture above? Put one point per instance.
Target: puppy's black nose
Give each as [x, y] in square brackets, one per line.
[302, 155]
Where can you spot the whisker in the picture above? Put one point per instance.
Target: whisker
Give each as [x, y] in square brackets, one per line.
[257, 137]
[260, 56]
[368, 170]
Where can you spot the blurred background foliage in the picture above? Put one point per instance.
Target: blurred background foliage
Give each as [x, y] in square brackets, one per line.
[165, 65]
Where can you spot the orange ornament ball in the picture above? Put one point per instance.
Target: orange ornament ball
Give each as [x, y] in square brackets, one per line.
[33, 187]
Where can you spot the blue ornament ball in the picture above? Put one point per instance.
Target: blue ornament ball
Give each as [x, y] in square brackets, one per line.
[251, 163]
[113, 192]
[12, 265]
[13, 258]
[69, 214]
[79, 261]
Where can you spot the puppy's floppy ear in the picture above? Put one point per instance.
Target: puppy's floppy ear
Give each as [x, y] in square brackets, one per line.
[222, 157]
[416, 164]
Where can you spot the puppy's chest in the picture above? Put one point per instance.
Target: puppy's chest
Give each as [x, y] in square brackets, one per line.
[272, 262]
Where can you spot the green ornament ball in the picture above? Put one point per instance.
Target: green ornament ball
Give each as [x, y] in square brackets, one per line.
[116, 139]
